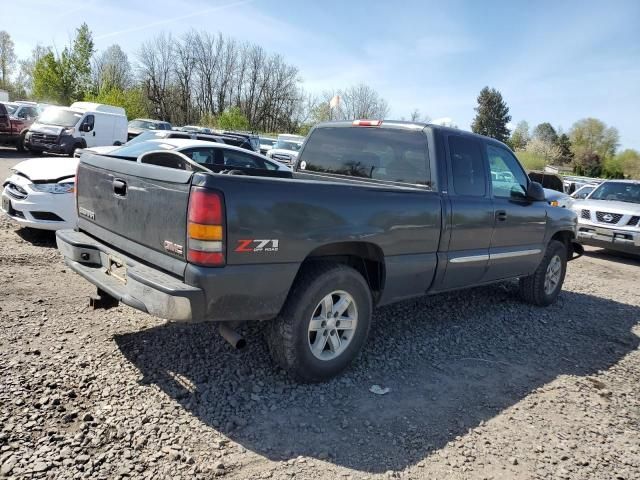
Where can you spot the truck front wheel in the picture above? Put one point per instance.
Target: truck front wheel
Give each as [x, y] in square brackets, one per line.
[544, 285]
[324, 323]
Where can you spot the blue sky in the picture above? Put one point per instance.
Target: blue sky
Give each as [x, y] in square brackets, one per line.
[553, 61]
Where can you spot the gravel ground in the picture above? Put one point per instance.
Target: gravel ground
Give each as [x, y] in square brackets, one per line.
[481, 386]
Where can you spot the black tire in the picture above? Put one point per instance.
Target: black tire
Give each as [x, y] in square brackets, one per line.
[74, 148]
[288, 335]
[532, 288]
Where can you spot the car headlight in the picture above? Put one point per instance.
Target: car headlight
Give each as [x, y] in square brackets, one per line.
[67, 131]
[554, 203]
[67, 187]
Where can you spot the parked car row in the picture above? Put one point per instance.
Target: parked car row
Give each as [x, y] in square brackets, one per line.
[40, 192]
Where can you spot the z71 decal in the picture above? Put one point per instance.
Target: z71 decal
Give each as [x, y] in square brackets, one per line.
[257, 246]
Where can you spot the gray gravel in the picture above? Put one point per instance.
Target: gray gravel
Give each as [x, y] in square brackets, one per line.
[481, 386]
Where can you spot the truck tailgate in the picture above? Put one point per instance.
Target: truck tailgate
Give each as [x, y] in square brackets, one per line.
[138, 208]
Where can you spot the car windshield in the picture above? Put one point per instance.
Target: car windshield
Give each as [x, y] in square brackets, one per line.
[583, 192]
[143, 124]
[11, 108]
[59, 116]
[137, 149]
[144, 136]
[617, 191]
[267, 141]
[287, 145]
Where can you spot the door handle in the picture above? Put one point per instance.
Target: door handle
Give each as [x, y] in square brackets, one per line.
[94, 133]
[501, 215]
[119, 187]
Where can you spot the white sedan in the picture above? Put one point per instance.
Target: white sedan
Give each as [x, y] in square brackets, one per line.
[40, 193]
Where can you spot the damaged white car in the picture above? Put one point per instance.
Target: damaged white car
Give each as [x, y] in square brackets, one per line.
[40, 193]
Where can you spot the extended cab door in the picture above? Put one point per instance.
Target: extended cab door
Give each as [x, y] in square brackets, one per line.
[517, 244]
[471, 213]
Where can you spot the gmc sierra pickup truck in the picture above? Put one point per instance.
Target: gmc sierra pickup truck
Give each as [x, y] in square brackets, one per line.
[374, 212]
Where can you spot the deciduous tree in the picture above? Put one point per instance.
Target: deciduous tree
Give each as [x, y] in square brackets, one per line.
[546, 133]
[520, 136]
[7, 58]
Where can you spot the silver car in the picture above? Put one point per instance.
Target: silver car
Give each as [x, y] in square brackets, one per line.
[610, 216]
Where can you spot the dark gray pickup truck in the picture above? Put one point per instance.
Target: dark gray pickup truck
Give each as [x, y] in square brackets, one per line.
[373, 213]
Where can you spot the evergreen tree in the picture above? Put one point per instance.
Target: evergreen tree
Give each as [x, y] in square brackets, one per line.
[566, 155]
[492, 115]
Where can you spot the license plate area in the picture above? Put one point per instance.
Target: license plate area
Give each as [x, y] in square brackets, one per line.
[116, 268]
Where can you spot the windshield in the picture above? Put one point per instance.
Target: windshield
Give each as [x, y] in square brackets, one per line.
[617, 191]
[267, 141]
[60, 117]
[137, 149]
[144, 136]
[287, 145]
[143, 124]
[11, 108]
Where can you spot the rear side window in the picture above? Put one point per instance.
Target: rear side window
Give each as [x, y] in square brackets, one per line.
[467, 167]
[242, 160]
[392, 155]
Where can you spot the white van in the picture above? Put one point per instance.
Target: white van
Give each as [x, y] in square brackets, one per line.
[82, 125]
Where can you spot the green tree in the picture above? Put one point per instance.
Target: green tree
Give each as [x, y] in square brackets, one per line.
[566, 154]
[492, 115]
[590, 165]
[133, 100]
[233, 119]
[48, 84]
[629, 162]
[65, 78]
[546, 133]
[7, 58]
[591, 135]
[520, 136]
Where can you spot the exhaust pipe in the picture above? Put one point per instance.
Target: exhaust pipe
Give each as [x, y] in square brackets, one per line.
[236, 340]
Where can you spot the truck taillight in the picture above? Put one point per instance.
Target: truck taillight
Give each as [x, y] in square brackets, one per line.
[205, 228]
[367, 123]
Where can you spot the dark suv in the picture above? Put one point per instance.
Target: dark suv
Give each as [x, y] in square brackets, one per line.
[250, 141]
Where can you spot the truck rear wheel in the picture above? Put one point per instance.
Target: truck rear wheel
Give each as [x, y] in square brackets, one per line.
[544, 285]
[324, 323]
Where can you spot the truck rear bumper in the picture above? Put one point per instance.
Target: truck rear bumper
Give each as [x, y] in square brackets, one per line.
[132, 283]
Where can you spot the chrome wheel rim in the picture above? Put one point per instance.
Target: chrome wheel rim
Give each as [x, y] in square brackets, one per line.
[332, 326]
[552, 277]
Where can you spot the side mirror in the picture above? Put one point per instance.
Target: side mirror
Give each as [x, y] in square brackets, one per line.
[535, 192]
[86, 127]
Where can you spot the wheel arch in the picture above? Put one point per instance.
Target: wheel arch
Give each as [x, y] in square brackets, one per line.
[365, 257]
[568, 239]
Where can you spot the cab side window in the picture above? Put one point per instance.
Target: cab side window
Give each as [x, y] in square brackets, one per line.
[508, 179]
[467, 167]
[88, 123]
